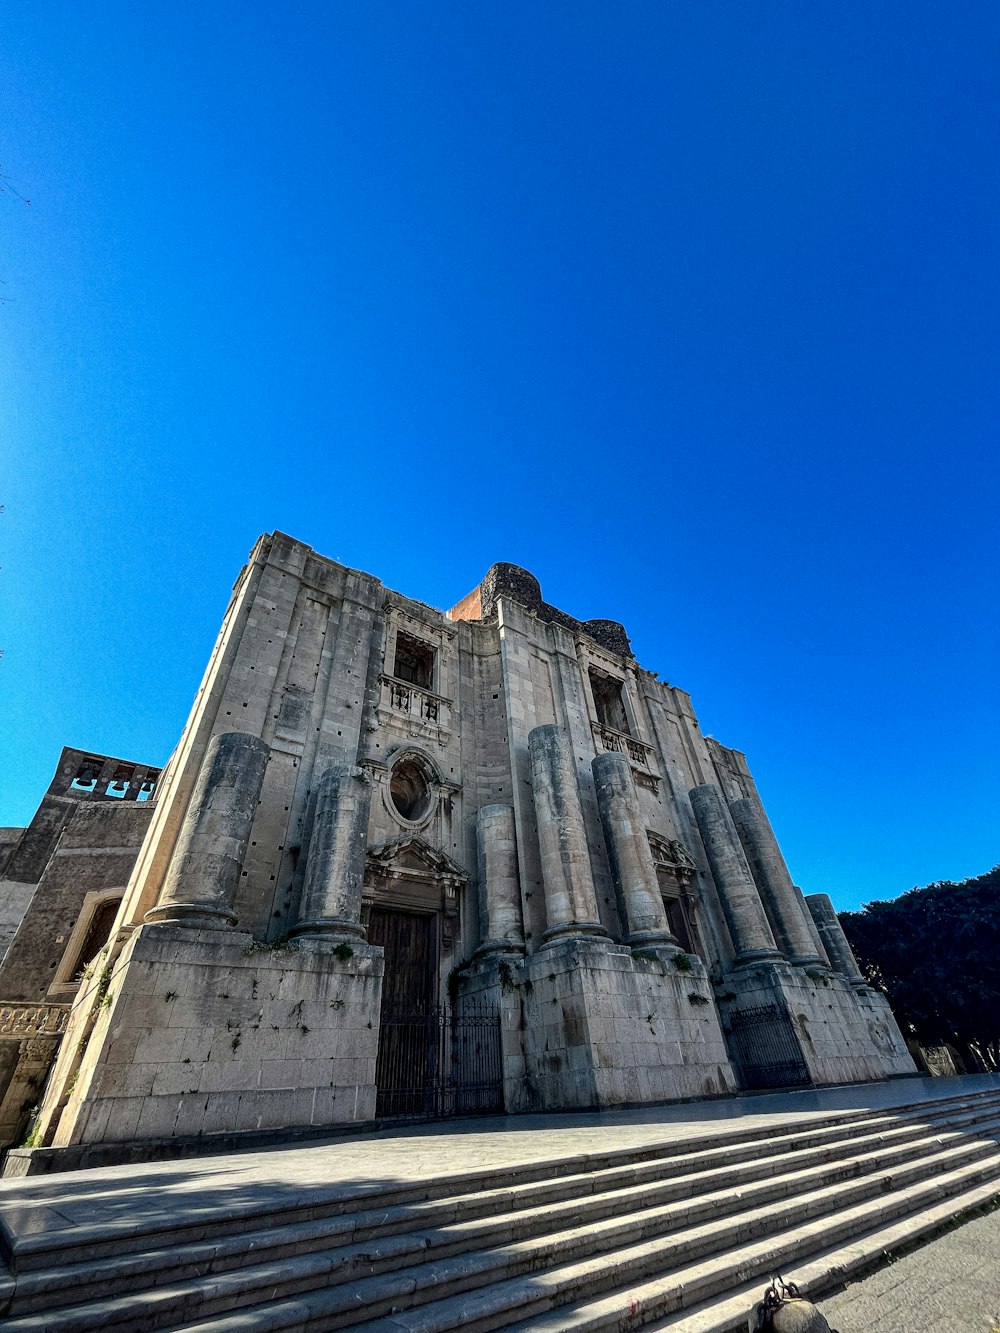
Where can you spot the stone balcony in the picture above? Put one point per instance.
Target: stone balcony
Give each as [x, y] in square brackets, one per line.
[427, 713]
[638, 753]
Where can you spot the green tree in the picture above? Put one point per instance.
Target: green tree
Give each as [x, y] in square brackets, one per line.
[936, 953]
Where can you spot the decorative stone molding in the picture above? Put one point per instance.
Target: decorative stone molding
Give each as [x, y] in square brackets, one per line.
[409, 873]
[638, 753]
[672, 856]
[33, 1020]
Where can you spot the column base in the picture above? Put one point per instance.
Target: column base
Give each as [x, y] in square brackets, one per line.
[601, 1027]
[661, 940]
[790, 1016]
[499, 949]
[329, 928]
[751, 956]
[202, 1034]
[576, 930]
[199, 916]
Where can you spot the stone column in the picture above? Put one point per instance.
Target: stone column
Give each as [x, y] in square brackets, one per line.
[831, 932]
[632, 870]
[570, 897]
[501, 928]
[813, 931]
[204, 872]
[768, 868]
[330, 907]
[748, 926]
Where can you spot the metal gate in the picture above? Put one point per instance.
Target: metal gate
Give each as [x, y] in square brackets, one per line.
[765, 1047]
[439, 1063]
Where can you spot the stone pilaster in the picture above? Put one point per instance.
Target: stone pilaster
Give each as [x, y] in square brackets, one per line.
[831, 932]
[204, 874]
[748, 925]
[632, 870]
[768, 868]
[330, 907]
[500, 924]
[570, 899]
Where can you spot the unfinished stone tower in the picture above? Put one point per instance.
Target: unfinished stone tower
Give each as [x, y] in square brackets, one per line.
[405, 862]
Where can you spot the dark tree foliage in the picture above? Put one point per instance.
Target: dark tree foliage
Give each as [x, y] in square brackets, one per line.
[936, 953]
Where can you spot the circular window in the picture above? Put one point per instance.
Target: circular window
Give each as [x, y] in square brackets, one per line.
[410, 790]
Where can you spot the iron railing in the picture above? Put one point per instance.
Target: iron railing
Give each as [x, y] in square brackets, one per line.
[765, 1047]
[443, 1062]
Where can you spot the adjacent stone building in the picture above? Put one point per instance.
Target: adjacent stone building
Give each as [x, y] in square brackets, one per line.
[405, 862]
[62, 880]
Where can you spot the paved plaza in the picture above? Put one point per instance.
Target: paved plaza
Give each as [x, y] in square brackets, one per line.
[951, 1285]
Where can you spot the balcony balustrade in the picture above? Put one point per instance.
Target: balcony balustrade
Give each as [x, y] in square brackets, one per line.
[639, 754]
[403, 699]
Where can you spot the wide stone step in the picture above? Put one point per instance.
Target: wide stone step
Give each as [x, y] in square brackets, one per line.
[126, 1235]
[449, 1239]
[497, 1217]
[114, 1238]
[631, 1289]
[816, 1275]
[629, 1248]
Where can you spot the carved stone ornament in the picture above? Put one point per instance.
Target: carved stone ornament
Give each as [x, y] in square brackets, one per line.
[672, 856]
[408, 872]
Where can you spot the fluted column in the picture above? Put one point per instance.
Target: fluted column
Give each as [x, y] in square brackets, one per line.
[831, 932]
[570, 898]
[741, 903]
[204, 872]
[632, 870]
[767, 865]
[500, 924]
[335, 863]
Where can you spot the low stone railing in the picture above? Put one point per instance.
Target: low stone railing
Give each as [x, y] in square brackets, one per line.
[33, 1020]
[403, 698]
[639, 754]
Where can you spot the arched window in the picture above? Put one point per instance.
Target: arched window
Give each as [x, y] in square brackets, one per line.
[98, 931]
[89, 936]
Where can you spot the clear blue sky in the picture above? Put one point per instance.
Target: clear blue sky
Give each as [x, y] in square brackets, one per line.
[691, 308]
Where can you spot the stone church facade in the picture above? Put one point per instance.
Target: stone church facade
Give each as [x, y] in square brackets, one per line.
[406, 862]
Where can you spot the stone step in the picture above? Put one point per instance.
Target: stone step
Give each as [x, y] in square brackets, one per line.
[643, 1288]
[466, 1222]
[817, 1274]
[626, 1243]
[554, 1179]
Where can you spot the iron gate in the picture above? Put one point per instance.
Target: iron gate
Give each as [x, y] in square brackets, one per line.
[764, 1045]
[440, 1063]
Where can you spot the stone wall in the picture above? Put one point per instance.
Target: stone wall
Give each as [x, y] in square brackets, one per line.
[194, 1031]
[602, 1027]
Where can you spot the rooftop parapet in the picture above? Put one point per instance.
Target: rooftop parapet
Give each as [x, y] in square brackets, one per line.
[521, 586]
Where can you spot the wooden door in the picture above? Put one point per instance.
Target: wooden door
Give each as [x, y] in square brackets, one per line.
[408, 941]
[406, 1074]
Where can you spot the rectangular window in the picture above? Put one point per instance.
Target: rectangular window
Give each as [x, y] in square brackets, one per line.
[608, 702]
[414, 662]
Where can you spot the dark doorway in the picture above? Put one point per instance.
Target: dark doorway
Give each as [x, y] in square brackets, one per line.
[432, 1060]
[407, 1047]
[408, 941]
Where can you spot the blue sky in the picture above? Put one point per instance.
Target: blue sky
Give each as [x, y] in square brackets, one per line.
[690, 308]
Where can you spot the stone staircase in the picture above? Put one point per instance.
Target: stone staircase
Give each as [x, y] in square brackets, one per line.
[679, 1236]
